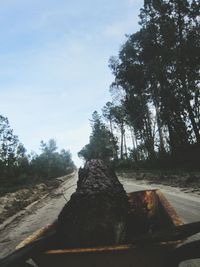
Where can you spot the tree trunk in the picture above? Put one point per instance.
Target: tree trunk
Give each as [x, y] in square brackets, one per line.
[192, 118]
[148, 137]
[125, 146]
[161, 148]
[122, 142]
[132, 138]
[114, 150]
[111, 128]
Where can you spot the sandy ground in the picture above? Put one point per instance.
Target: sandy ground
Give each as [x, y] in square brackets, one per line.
[35, 216]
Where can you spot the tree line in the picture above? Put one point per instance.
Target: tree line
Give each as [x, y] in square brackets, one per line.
[17, 167]
[156, 88]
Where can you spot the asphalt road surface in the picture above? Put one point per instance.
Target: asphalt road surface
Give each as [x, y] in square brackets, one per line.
[45, 212]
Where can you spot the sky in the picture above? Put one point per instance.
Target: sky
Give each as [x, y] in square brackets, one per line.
[54, 65]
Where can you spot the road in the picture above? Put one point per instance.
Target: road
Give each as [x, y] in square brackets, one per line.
[187, 206]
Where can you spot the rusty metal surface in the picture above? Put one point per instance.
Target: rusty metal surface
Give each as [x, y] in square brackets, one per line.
[168, 208]
[154, 256]
[145, 204]
[37, 234]
[92, 249]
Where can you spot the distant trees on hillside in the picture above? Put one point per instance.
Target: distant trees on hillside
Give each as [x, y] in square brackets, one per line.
[17, 167]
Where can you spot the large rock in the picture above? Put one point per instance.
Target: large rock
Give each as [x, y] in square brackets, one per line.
[97, 212]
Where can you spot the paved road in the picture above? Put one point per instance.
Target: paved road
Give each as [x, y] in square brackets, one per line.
[187, 206]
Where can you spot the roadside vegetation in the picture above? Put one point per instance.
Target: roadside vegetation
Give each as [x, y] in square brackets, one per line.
[21, 170]
[153, 118]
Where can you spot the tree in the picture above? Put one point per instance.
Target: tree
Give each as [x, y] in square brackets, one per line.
[175, 35]
[130, 77]
[22, 161]
[119, 117]
[16, 167]
[101, 141]
[8, 143]
[50, 147]
[50, 163]
[158, 70]
[108, 115]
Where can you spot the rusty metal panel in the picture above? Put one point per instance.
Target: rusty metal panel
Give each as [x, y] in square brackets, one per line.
[155, 256]
[146, 205]
[37, 234]
[168, 209]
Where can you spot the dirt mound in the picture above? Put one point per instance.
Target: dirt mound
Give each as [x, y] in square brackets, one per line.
[11, 203]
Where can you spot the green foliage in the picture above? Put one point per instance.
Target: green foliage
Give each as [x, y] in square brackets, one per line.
[18, 168]
[157, 70]
[156, 92]
[102, 143]
[8, 143]
[50, 163]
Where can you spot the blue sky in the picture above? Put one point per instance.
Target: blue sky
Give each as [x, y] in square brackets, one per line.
[54, 65]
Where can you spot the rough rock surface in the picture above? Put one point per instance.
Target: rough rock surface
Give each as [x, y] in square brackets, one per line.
[97, 212]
